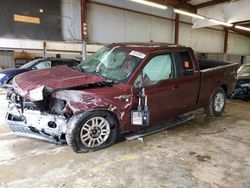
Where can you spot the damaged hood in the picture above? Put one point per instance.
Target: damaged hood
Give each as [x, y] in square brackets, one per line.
[60, 77]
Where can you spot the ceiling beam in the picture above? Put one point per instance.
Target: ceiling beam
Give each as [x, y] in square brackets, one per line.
[211, 3]
[241, 32]
[181, 4]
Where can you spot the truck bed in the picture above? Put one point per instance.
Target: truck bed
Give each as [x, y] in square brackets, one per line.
[215, 74]
[207, 64]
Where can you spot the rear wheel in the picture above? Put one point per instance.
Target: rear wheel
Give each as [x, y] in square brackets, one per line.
[217, 103]
[92, 131]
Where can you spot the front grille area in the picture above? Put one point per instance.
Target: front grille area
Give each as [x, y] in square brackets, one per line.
[240, 82]
[20, 129]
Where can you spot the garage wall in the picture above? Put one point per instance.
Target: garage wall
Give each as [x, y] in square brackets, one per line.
[247, 59]
[201, 40]
[238, 44]
[71, 20]
[107, 25]
[137, 7]
[6, 59]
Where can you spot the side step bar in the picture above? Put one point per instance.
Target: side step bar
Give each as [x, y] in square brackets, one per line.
[150, 130]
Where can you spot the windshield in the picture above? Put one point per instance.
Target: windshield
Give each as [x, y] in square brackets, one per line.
[244, 70]
[29, 64]
[113, 63]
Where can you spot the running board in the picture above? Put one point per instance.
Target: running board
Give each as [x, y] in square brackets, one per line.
[150, 130]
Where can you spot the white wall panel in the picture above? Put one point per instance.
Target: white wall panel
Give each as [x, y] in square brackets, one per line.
[137, 27]
[107, 25]
[71, 20]
[238, 45]
[248, 59]
[138, 7]
[64, 46]
[18, 43]
[201, 40]
[162, 30]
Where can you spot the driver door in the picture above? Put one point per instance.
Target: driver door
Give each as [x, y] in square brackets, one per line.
[158, 77]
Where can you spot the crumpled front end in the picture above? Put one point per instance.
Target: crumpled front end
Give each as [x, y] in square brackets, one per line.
[44, 113]
[25, 119]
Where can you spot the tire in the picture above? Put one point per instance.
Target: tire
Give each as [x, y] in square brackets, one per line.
[91, 131]
[217, 103]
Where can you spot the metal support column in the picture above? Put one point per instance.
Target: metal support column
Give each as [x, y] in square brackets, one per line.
[176, 32]
[225, 56]
[84, 28]
[44, 49]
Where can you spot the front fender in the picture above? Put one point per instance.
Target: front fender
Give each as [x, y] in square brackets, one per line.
[78, 102]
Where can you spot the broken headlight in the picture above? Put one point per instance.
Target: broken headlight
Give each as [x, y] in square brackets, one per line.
[36, 94]
[59, 105]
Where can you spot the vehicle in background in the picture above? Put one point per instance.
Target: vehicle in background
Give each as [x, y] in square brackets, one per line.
[242, 88]
[128, 89]
[7, 75]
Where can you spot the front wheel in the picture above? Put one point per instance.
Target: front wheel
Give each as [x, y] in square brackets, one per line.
[217, 103]
[91, 131]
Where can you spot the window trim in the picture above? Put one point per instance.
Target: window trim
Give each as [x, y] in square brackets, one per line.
[176, 73]
[181, 69]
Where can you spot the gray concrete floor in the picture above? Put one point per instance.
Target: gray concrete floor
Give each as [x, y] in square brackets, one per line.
[206, 152]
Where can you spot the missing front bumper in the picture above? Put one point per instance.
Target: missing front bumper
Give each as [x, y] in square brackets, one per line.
[35, 125]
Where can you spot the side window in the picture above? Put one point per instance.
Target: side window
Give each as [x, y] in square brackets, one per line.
[43, 65]
[187, 64]
[159, 68]
[71, 63]
[57, 63]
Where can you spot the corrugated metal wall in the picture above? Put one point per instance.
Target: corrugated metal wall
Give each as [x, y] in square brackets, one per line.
[6, 59]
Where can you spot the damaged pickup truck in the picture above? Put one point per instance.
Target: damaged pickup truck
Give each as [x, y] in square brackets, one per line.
[128, 89]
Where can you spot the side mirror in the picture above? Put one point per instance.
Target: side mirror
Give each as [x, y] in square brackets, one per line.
[33, 68]
[138, 82]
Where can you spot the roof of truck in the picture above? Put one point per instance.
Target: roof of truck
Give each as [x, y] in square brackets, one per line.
[147, 47]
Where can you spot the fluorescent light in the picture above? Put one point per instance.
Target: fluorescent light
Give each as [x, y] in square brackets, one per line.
[188, 14]
[221, 23]
[152, 4]
[243, 28]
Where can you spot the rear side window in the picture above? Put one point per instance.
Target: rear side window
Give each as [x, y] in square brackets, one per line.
[57, 63]
[68, 63]
[187, 64]
[71, 63]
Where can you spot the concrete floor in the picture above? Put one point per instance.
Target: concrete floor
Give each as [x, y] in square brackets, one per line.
[206, 152]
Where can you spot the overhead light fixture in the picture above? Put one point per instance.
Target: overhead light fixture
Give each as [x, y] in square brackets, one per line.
[188, 14]
[242, 28]
[152, 4]
[221, 23]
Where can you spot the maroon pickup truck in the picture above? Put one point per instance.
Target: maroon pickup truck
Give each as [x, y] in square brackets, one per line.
[128, 89]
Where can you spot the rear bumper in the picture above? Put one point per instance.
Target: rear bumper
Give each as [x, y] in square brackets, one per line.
[36, 125]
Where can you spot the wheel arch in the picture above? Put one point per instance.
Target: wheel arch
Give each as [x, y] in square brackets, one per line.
[225, 88]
